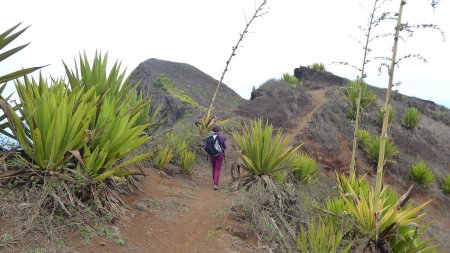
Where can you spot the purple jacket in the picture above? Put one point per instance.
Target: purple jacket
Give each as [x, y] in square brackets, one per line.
[222, 143]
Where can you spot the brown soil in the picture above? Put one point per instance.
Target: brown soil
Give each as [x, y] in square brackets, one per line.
[177, 215]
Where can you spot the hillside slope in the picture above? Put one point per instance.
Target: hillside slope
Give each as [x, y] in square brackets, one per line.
[329, 134]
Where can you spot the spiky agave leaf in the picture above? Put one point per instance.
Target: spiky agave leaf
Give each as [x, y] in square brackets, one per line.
[5, 38]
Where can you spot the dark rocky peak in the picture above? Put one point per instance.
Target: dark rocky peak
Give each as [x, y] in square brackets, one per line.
[320, 79]
[192, 89]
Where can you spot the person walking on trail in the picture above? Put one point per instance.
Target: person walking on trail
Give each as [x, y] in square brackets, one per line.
[215, 146]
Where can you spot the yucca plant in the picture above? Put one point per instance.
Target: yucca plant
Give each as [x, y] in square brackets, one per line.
[380, 115]
[351, 94]
[321, 237]
[411, 118]
[445, 183]
[421, 174]
[261, 152]
[188, 160]
[305, 168]
[163, 157]
[290, 79]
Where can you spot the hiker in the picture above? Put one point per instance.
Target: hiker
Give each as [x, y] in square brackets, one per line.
[215, 146]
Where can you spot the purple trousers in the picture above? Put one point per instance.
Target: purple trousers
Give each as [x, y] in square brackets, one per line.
[216, 163]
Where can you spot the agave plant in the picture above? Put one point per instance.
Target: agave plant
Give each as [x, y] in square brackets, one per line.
[163, 157]
[445, 184]
[115, 135]
[380, 115]
[421, 174]
[119, 122]
[351, 96]
[371, 146]
[188, 159]
[55, 121]
[411, 118]
[261, 152]
[305, 169]
[384, 223]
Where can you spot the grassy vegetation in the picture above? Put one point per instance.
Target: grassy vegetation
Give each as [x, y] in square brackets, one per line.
[163, 157]
[172, 89]
[318, 67]
[188, 160]
[421, 174]
[290, 79]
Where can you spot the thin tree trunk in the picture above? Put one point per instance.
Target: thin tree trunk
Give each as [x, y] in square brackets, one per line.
[233, 53]
[358, 101]
[386, 109]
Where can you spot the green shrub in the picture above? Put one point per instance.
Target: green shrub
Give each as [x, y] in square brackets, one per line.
[172, 89]
[371, 146]
[321, 237]
[380, 115]
[290, 79]
[411, 118]
[261, 152]
[438, 114]
[305, 168]
[318, 67]
[351, 93]
[445, 183]
[421, 174]
[163, 157]
[188, 160]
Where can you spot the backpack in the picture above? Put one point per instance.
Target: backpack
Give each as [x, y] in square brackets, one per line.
[211, 147]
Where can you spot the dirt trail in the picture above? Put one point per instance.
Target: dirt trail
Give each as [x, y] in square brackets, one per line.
[318, 99]
[176, 215]
[179, 215]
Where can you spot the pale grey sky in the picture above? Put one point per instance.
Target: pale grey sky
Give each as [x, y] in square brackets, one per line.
[202, 32]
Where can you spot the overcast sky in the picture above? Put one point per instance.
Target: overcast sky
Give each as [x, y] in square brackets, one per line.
[202, 32]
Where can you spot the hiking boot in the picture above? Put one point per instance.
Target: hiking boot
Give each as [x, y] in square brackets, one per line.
[216, 187]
